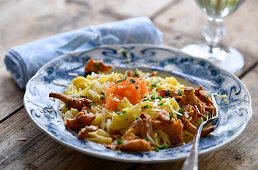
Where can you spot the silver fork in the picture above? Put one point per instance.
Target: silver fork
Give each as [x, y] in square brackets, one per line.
[191, 162]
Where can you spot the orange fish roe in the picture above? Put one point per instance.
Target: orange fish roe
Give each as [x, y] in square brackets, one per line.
[131, 88]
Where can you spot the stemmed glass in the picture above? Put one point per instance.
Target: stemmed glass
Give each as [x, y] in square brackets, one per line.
[225, 57]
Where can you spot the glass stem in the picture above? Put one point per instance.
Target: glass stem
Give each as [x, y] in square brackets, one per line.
[214, 31]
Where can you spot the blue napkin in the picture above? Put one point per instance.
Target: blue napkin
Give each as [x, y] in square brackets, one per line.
[23, 61]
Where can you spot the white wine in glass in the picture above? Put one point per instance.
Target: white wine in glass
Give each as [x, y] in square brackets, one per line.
[225, 57]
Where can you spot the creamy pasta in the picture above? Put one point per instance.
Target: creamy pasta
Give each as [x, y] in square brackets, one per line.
[135, 110]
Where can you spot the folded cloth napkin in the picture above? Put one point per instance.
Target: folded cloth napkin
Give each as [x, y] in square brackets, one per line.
[23, 61]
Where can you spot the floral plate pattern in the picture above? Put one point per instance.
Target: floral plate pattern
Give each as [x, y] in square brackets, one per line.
[235, 110]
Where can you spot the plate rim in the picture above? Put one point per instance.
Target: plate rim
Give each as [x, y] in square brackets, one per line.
[95, 153]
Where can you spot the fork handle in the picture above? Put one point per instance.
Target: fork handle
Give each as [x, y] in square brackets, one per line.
[191, 162]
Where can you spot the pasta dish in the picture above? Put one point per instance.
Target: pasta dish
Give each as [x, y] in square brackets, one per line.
[135, 110]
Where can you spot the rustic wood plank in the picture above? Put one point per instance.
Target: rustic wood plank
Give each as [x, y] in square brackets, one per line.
[11, 97]
[135, 8]
[38, 150]
[182, 24]
[18, 26]
[48, 16]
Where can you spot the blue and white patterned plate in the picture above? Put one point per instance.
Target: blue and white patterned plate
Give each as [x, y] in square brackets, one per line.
[235, 110]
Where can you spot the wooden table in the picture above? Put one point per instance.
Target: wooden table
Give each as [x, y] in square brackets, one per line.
[24, 146]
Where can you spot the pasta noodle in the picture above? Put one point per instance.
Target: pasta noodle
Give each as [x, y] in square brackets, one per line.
[125, 111]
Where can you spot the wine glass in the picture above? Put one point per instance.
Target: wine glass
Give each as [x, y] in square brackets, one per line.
[225, 57]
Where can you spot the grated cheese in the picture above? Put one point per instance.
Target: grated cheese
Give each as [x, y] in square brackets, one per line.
[59, 83]
[156, 103]
[151, 140]
[175, 111]
[157, 110]
[73, 74]
[116, 99]
[108, 126]
[197, 109]
[186, 115]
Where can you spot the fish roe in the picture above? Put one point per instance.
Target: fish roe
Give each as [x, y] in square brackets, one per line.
[132, 88]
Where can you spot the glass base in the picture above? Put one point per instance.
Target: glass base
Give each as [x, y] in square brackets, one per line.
[227, 58]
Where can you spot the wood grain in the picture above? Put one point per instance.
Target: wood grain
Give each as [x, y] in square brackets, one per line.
[55, 16]
[39, 151]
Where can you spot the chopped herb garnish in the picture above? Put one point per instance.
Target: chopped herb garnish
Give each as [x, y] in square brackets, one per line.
[119, 80]
[147, 139]
[93, 104]
[136, 87]
[152, 98]
[179, 93]
[136, 73]
[126, 118]
[178, 116]
[156, 149]
[136, 118]
[170, 116]
[123, 111]
[144, 100]
[99, 72]
[168, 93]
[119, 142]
[161, 147]
[103, 93]
[97, 65]
[119, 152]
[68, 104]
[206, 95]
[117, 112]
[161, 104]
[154, 85]
[180, 110]
[159, 97]
[124, 78]
[146, 106]
[132, 81]
[86, 127]
[102, 97]
[124, 52]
